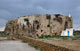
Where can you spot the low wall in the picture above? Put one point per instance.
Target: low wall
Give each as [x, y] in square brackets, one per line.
[44, 45]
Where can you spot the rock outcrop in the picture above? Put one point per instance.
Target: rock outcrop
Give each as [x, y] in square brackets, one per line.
[37, 25]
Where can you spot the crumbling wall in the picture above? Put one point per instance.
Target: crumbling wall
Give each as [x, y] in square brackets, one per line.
[38, 25]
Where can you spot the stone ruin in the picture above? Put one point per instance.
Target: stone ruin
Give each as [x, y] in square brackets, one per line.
[38, 25]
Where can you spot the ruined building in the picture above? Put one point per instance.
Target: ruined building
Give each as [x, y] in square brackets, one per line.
[38, 25]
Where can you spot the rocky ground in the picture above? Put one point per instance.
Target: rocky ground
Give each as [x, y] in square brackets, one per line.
[15, 45]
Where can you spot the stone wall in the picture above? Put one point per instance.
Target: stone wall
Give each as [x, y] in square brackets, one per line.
[44, 45]
[37, 25]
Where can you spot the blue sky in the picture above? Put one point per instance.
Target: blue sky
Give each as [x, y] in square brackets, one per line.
[10, 9]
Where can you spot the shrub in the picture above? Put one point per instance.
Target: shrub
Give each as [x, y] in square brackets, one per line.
[54, 36]
[24, 41]
[77, 37]
[41, 50]
[3, 34]
[33, 46]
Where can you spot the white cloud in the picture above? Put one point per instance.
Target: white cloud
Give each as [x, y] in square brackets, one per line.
[2, 28]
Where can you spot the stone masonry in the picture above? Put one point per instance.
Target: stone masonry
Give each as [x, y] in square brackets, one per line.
[38, 25]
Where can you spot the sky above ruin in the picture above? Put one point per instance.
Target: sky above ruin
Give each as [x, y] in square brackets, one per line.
[10, 9]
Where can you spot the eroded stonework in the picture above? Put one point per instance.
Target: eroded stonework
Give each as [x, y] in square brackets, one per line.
[37, 25]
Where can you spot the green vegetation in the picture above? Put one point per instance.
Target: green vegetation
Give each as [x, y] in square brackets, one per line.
[76, 33]
[41, 50]
[30, 36]
[3, 34]
[24, 41]
[35, 47]
[76, 37]
[54, 36]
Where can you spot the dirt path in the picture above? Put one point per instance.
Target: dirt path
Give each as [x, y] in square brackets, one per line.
[74, 44]
[15, 46]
